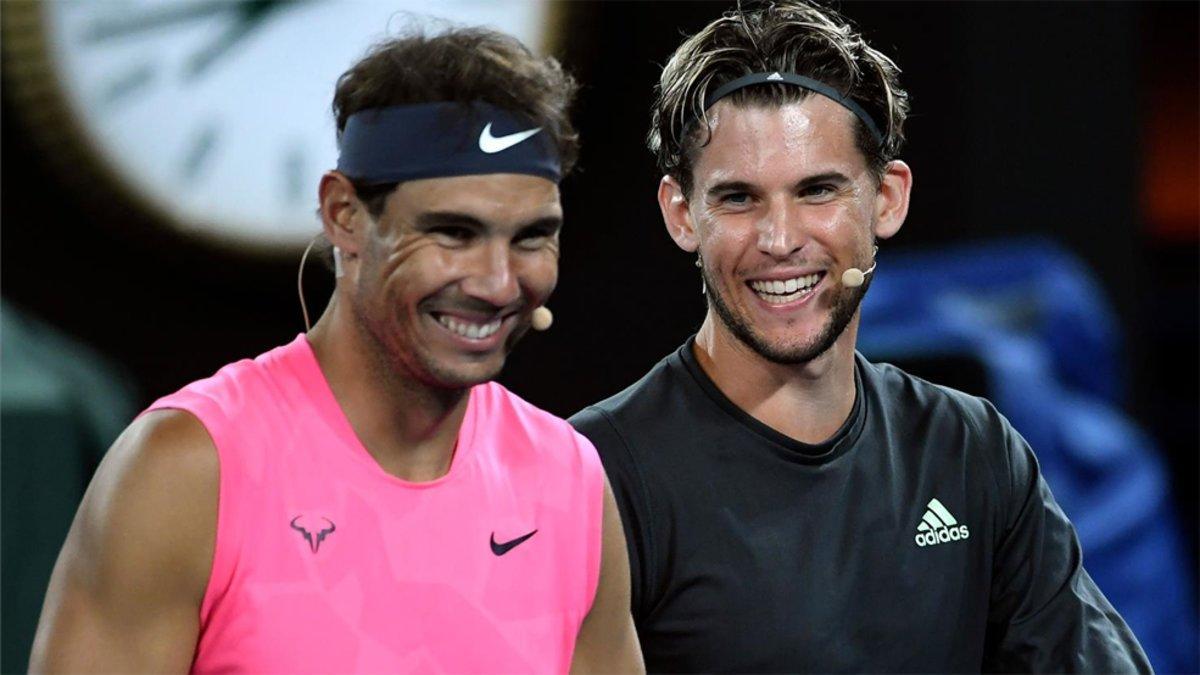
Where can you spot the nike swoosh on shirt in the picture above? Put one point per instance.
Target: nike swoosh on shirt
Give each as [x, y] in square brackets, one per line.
[501, 549]
[493, 144]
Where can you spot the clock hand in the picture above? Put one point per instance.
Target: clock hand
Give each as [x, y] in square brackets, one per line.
[250, 15]
[159, 17]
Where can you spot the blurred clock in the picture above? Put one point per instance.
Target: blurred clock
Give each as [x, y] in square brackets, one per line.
[216, 113]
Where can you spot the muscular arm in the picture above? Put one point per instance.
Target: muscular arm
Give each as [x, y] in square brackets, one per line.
[126, 590]
[607, 641]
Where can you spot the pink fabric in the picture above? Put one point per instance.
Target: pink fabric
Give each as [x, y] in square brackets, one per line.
[406, 579]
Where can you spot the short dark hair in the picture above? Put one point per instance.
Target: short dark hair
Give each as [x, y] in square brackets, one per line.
[464, 65]
[788, 36]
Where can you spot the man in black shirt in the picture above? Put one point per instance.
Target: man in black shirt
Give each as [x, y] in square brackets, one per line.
[788, 505]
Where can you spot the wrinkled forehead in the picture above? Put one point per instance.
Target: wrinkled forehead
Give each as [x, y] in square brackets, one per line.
[809, 136]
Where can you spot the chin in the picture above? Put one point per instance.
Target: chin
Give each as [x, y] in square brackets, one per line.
[789, 349]
[455, 374]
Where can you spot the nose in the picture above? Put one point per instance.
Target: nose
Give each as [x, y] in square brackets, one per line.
[780, 232]
[493, 277]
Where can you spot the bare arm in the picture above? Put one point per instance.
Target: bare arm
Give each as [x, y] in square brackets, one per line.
[607, 640]
[126, 590]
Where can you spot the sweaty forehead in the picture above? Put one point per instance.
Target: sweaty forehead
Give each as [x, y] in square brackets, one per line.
[811, 136]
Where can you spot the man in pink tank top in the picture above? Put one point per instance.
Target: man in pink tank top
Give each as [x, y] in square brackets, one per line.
[364, 499]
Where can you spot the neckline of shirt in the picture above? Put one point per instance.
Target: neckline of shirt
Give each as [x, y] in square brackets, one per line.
[301, 361]
[805, 453]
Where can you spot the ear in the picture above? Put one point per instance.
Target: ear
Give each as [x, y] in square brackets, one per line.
[891, 202]
[676, 215]
[341, 212]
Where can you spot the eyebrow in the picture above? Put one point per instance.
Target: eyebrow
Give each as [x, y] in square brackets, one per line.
[836, 177]
[433, 219]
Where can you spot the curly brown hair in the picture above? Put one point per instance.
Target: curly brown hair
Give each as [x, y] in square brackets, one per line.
[463, 65]
[786, 35]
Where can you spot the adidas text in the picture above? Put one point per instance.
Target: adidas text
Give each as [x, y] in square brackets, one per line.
[942, 535]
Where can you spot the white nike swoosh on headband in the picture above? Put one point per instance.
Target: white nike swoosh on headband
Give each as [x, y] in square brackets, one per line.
[492, 144]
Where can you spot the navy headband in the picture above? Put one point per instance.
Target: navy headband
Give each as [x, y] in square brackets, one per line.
[434, 140]
[800, 81]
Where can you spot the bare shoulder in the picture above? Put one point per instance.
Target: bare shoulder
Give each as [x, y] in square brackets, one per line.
[155, 471]
[155, 495]
[170, 442]
[126, 590]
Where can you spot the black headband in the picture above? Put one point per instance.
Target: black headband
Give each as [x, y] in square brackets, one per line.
[800, 81]
[434, 140]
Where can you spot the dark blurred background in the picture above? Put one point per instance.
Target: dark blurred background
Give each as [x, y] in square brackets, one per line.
[1076, 123]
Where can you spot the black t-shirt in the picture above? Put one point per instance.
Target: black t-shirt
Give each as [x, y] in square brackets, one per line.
[921, 537]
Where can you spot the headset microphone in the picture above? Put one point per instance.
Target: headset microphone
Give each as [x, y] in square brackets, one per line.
[542, 318]
[854, 277]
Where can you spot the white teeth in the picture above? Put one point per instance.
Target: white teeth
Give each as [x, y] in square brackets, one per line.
[782, 299]
[772, 290]
[472, 331]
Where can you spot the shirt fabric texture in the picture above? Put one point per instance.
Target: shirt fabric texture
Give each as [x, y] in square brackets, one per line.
[326, 563]
[919, 538]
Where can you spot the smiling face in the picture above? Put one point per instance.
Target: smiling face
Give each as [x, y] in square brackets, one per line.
[782, 203]
[446, 278]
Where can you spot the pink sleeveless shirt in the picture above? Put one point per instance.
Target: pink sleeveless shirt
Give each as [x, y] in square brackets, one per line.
[326, 563]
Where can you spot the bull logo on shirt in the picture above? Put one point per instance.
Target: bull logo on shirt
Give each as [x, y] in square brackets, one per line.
[314, 541]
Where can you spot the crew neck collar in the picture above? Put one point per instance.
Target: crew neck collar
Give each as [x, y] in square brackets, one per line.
[805, 453]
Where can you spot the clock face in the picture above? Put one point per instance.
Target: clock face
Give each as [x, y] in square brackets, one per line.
[218, 111]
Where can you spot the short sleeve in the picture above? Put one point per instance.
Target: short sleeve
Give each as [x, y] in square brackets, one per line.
[1046, 613]
[630, 492]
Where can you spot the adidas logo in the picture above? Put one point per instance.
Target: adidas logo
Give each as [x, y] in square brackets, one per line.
[938, 526]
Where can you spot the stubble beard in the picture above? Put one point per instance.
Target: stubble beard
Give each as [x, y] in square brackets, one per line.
[845, 304]
[399, 362]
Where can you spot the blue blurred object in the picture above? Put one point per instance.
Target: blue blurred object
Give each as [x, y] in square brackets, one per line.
[1032, 316]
